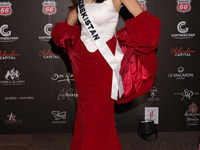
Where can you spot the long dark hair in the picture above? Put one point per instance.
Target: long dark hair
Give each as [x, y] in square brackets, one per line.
[76, 2]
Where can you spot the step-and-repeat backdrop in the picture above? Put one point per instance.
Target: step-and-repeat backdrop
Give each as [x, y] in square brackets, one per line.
[37, 90]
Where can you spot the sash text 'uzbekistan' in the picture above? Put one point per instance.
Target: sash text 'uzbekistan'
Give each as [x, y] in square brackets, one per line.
[87, 21]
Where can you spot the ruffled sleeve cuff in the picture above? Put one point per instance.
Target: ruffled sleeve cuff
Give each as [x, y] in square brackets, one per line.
[63, 31]
[143, 32]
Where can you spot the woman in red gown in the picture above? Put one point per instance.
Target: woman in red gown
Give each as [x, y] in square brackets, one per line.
[95, 125]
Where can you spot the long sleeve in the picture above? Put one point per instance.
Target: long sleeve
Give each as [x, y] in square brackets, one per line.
[63, 31]
[142, 34]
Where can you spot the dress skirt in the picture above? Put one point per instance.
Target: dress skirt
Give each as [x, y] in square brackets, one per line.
[94, 124]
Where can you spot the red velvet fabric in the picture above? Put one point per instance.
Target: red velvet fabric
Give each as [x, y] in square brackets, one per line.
[95, 124]
[142, 32]
[63, 32]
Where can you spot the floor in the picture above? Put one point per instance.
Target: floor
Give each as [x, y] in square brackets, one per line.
[129, 141]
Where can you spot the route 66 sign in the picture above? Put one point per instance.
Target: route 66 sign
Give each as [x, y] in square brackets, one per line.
[49, 7]
[143, 4]
[183, 6]
[5, 9]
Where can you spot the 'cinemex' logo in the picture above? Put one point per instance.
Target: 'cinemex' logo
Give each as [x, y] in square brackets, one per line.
[183, 31]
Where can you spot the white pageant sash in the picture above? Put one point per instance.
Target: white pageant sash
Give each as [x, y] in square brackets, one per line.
[114, 61]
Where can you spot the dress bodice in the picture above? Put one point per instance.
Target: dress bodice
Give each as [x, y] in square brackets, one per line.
[104, 18]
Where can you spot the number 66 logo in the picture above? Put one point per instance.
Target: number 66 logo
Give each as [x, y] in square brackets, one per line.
[183, 6]
[49, 7]
[5, 8]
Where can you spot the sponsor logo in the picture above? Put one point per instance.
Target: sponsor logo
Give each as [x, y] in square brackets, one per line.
[12, 120]
[47, 31]
[11, 56]
[178, 52]
[59, 116]
[6, 34]
[143, 4]
[12, 78]
[183, 31]
[153, 92]
[11, 98]
[47, 54]
[183, 6]
[192, 114]
[67, 94]
[63, 78]
[152, 113]
[5, 9]
[180, 74]
[187, 94]
[49, 7]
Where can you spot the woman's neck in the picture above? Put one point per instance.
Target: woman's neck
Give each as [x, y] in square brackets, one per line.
[90, 1]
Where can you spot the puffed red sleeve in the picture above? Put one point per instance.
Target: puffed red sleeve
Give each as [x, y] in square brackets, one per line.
[141, 33]
[63, 31]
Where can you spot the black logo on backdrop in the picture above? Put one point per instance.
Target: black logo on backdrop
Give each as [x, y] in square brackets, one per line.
[5, 9]
[183, 31]
[47, 31]
[187, 94]
[12, 77]
[6, 34]
[67, 94]
[180, 74]
[12, 120]
[63, 78]
[14, 98]
[192, 115]
[59, 116]
[153, 92]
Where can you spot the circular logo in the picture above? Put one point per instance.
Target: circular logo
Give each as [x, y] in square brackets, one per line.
[3, 32]
[180, 69]
[180, 27]
[46, 29]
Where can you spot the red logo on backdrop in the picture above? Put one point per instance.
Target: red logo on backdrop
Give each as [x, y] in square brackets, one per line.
[181, 52]
[47, 54]
[4, 55]
[5, 8]
[183, 6]
[49, 7]
[143, 4]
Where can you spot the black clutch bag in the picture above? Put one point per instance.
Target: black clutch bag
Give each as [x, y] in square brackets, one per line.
[147, 130]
